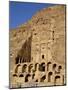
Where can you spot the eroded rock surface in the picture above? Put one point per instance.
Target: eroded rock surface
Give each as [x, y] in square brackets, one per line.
[37, 50]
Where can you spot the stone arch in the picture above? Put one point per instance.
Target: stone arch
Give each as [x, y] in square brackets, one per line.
[36, 66]
[15, 75]
[24, 68]
[36, 80]
[48, 65]
[56, 78]
[49, 76]
[59, 68]
[26, 77]
[42, 66]
[54, 66]
[33, 75]
[16, 69]
[43, 56]
[21, 75]
[43, 78]
[30, 67]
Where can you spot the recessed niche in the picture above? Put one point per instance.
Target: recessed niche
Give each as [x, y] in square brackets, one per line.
[42, 56]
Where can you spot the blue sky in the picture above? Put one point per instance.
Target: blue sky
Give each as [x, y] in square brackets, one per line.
[21, 12]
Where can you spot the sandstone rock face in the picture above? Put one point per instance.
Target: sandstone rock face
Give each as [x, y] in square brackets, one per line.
[37, 50]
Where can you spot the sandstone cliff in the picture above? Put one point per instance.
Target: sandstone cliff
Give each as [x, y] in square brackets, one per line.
[42, 37]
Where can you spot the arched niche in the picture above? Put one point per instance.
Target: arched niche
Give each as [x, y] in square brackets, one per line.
[50, 76]
[54, 66]
[42, 56]
[21, 75]
[48, 66]
[30, 68]
[33, 75]
[27, 77]
[14, 75]
[17, 68]
[24, 68]
[43, 78]
[36, 80]
[57, 80]
[59, 68]
[42, 67]
[36, 67]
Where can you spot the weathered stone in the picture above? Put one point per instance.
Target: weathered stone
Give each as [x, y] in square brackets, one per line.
[37, 50]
